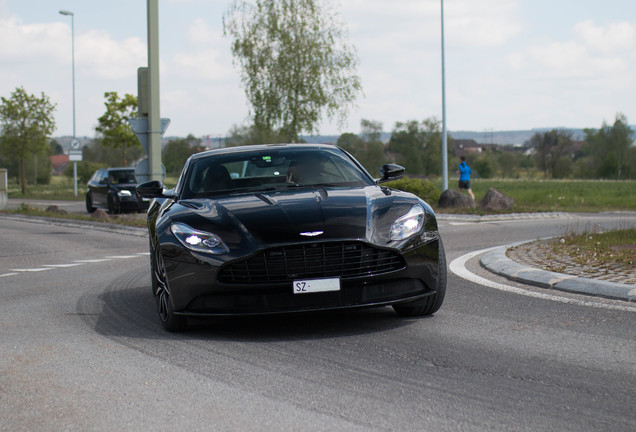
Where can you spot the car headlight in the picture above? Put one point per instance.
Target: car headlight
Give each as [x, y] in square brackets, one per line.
[409, 224]
[124, 193]
[199, 241]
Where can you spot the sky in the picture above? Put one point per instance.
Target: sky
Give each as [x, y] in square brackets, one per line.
[510, 64]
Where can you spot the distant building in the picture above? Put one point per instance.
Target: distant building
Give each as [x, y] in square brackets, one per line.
[462, 147]
[59, 163]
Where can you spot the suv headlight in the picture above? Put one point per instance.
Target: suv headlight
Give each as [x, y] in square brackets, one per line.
[199, 241]
[409, 224]
[124, 193]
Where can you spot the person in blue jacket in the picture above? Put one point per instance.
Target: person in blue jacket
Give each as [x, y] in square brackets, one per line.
[464, 177]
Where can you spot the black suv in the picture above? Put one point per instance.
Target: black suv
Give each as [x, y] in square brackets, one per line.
[113, 189]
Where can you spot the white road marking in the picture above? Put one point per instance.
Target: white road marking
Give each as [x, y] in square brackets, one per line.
[39, 269]
[75, 263]
[92, 260]
[489, 222]
[458, 266]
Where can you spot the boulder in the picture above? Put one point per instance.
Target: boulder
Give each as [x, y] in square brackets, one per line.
[495, 200]
[99, 214]
[451, 198]
[55, 209]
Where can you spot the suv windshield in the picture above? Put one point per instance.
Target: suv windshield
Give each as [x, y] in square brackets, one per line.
[271, 169]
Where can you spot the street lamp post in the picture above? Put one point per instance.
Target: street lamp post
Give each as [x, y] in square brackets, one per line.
[69, 13]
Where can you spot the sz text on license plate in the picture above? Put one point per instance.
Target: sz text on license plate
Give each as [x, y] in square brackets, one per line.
[316, 285]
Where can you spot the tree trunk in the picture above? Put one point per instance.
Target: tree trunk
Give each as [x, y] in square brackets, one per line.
[22, 176]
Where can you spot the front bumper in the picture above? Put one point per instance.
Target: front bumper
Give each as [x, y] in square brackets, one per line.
[195, 289]
[133, 203]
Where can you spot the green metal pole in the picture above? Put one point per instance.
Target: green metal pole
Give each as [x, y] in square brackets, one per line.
[154, 117]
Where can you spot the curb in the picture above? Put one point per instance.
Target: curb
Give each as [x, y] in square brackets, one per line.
[497, 262]
[451, 217]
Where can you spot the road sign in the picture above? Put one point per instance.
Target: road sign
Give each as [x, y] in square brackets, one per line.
[139, 126]
[75, 155]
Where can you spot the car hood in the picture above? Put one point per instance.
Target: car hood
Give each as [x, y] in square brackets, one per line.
[125, 186]
[364, 213]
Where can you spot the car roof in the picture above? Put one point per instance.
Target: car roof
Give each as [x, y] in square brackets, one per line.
[121, 169]
[248, 148]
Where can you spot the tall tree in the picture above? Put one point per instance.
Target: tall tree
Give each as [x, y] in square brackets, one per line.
[26, 122]
[553, 152]
[178, 151]
[371, 130]
[246, 135]
[296, 63]
[113, 125]
[608, 148]
[367, 148]
[56, 148]
[417, 146]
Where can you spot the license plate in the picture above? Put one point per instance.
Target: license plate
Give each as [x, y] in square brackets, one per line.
[316, 285]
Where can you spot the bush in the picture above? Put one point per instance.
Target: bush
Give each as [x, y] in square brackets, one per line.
[424, 189]
[84, 170]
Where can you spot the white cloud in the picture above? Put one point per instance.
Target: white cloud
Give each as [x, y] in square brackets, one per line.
[409, 23]
[28, 43]
[485, 23]
[611, 38]
[201, 32]
[593, 53]
[203, 57]
[99, 55]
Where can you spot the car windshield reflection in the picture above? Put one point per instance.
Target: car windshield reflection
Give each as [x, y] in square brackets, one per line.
[271, 170]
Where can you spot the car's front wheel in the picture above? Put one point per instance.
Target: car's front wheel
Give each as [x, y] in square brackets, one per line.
[431, 304]
[89, 203]
[113, 205]
[161, 291]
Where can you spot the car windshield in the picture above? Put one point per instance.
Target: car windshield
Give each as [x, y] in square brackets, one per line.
[122, 177]
[271, 169]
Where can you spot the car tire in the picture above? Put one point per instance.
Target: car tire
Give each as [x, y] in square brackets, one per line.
[431, 304]
[89, 203]
[161, 292]
[113, 205]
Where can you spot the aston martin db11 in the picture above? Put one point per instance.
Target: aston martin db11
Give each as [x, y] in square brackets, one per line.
[289, 228]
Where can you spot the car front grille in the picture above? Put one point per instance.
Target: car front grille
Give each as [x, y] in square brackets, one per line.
[312, 260]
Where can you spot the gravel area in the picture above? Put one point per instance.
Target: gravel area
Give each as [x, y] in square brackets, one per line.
[540, 254]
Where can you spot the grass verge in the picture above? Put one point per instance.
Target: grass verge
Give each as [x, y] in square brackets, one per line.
[127, 219]
[596, 248]
[556, 195]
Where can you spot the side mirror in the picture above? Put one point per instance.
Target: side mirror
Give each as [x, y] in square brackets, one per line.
[151, 189]
[390, 172]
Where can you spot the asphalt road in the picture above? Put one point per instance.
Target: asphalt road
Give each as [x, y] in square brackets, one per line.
[82, 349]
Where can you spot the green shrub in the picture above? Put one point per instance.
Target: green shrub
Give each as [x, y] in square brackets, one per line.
[85, 170]
[424, 189]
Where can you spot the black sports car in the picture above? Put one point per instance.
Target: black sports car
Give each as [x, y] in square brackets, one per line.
[113, 189]
[287, 228]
